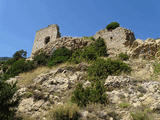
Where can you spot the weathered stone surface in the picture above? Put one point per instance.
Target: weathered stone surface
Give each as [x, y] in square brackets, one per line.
[148, 49]
[44, 36]
[46, 90]
[71, 43]
[118, 40]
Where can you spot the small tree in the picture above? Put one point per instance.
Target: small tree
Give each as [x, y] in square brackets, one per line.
[7, 101]
[112, 26]
[20, 54]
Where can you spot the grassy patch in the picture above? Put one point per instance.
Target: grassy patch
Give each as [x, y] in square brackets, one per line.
[64, 112]
[124, 105]
[140, 115]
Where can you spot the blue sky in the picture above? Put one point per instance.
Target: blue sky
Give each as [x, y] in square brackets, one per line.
[20, 19]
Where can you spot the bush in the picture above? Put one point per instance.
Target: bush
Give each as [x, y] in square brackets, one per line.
[59, 56]
[99, 47]
[20, 66]
[4, 68]
[124, 105]
[20, 54]
[91, 52]
[76, 57]
[93, 94]
[41, 59]
[102, 68]
[156, 68]
[112, 26]
[123, 56]
[7, 103]
[10, 61]
[64, 112]
[140, 116]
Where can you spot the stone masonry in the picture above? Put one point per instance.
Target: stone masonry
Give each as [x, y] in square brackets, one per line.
[44, 36]
[117, 40]
[48, 39]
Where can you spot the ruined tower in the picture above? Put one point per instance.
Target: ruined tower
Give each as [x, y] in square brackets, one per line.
[44, 36]
[117, 41]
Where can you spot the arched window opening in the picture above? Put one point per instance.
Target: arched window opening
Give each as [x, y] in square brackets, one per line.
[47, 40]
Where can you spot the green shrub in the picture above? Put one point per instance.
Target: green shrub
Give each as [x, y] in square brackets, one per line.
[102, 68]
[140, 116]
[156, 68]
[4, 68]
[41, 59]
[99, 47]
[91, 52]
[21, 54]
[93, 94]
[64, 112]
[91, 38]
[124, 105]
[7, 103]
[76, 57]
[10, 61]
[112, 26]
[20, 66]
[16, 68]
[123, 56]
[60, 55]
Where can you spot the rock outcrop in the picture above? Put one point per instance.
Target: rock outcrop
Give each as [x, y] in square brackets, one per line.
[148, 49]
[48, 89]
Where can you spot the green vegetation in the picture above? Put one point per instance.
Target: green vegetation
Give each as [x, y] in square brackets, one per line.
[7, 103]
[123, 56]
[19, 66]
[90, 38]
[112, 26]
[124, 105]
[41, 59]
[140, 115]
[91, 52]
[156, 68]
[64, 112]
[60, 55]
[102, 68]
[21, 54]
[93, 94]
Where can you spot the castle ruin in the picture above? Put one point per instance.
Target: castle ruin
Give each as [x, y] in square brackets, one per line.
[117, 40]
[45, 36]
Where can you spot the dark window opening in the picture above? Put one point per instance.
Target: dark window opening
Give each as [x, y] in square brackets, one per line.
[47, 40]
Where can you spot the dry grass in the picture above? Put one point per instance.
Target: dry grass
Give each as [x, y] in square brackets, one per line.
[27, 78]
[64, 112]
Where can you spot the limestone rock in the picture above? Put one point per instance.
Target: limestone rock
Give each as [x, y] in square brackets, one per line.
[145, 49]
[46, 90]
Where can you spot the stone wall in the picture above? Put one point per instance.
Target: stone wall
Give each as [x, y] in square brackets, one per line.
[117, 40]
[44, 36]
[71, 43]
